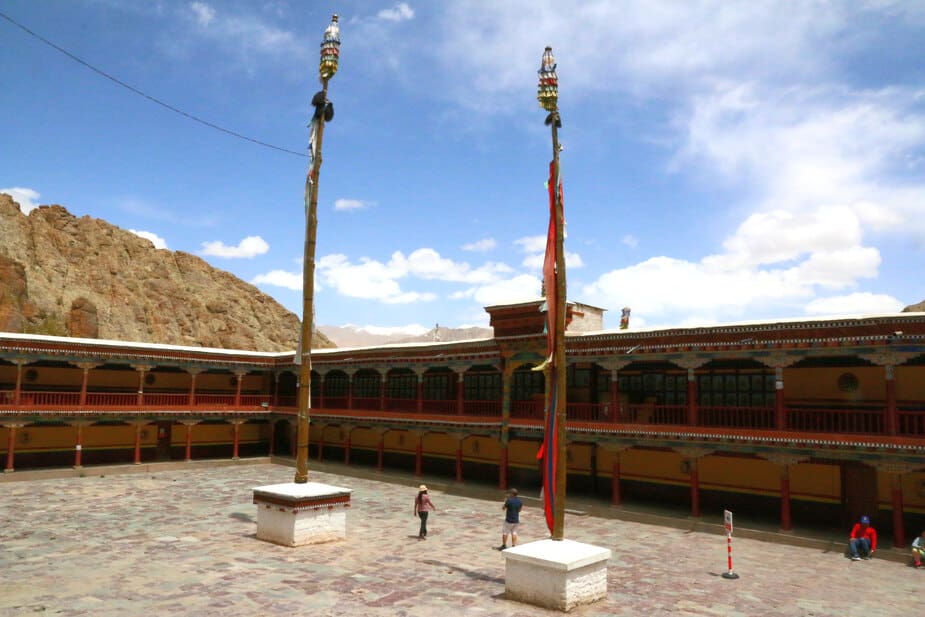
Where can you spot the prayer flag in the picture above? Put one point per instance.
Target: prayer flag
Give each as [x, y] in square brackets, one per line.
[549, 450]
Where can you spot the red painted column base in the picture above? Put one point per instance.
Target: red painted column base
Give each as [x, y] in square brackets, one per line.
[616, 498]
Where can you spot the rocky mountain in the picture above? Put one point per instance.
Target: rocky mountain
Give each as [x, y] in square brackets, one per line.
[82, 277]
[915, 308]
[359, 336]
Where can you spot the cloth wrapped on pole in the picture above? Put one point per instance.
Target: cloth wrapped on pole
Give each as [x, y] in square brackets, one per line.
[549, 449]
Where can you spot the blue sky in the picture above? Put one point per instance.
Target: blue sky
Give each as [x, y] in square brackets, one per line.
[723, 161]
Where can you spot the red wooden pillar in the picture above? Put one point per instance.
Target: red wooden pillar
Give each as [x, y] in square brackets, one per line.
[786, 520]
[83, 386]
[239, 379]
[419, 394]
[272, 437]
[614, 396]
[502, 469]
[321, 404]
[382, 388]
[460, 393]
[892, 419]
[142, 371]
[899, 531]
[17, 393]
[780, 411]
[349, 430]
[695, 487]
[192, 387]
[616, 497]
[459, 461]
[10, 446]
[692, 409]
[236, 436]
[380, 451]
[275, 399]
[137, 456]
[349, 390]
[419, 456]
[188, 457]
[78, 445]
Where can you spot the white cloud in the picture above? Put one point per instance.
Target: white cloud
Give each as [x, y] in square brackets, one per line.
[250, 246]
[532, 244]
[535, 262]
[246, 36]
[854, 304]
[400, 12]
[203, 12]
[280, 278]
[630, 241]
[352, 204]
[426, 263]
[375, 280]
[409, 330]
[483, 245]
[368, 279]
[156, 240]
[25, 197]
[517, 289]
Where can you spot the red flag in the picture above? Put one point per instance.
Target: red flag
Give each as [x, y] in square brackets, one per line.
[549, 450]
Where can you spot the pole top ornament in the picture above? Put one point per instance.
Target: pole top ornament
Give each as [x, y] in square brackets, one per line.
[547, 92]
[330, 50]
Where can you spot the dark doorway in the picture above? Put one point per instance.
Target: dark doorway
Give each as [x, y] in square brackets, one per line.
[859, 492]
[164, 429]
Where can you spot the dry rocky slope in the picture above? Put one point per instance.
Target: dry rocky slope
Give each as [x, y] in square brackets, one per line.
[915, 308]
[82, 277]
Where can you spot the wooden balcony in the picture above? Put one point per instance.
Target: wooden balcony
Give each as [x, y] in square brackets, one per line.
[867, 418]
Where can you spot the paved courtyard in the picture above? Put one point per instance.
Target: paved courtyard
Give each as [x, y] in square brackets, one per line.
[182, 542]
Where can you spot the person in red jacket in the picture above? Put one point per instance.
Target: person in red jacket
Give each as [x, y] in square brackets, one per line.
[863, 540]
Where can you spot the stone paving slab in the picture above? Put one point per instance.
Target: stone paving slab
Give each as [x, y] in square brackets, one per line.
[182, 542]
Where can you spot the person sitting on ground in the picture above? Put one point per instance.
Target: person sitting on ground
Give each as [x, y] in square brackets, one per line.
[918, 550]
[512, 506]
[863, 540]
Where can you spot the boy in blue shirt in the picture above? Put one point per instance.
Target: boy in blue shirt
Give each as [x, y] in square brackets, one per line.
[511, 507]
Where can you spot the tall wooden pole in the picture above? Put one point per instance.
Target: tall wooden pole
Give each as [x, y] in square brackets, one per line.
[548, 97]
[558, 530]
[328, 68]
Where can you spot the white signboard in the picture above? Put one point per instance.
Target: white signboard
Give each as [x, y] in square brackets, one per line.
[727, 520]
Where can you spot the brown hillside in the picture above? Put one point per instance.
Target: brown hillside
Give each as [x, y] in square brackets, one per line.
[82, 277]
[915, 308]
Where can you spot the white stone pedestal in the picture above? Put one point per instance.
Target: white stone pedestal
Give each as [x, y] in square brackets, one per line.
[298, 514]
[557, 574]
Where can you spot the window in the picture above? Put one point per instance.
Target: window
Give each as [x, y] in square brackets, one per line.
[482, 386]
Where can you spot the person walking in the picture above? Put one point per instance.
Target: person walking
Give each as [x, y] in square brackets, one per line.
[422, 507]
[512, 506]
[863, 540]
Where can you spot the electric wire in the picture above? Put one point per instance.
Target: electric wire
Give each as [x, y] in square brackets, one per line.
[145, 95]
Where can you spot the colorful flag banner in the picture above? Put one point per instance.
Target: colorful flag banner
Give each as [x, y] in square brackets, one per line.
[549, 449]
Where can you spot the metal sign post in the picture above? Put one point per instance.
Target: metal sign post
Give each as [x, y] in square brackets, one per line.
[727, 521]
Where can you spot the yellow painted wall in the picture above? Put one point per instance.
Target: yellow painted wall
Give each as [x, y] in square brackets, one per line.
[822, 383]
[739, 474]
[522, 454]
[654, 465]
[910, 383]
[815, 481]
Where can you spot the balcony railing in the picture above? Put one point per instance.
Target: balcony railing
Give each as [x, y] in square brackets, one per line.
[799, 416]
[835, 421]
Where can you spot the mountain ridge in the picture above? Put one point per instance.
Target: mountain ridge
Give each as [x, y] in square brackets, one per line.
[84, 277]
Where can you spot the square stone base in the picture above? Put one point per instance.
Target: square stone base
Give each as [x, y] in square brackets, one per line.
[298, 514]
[556, 574]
